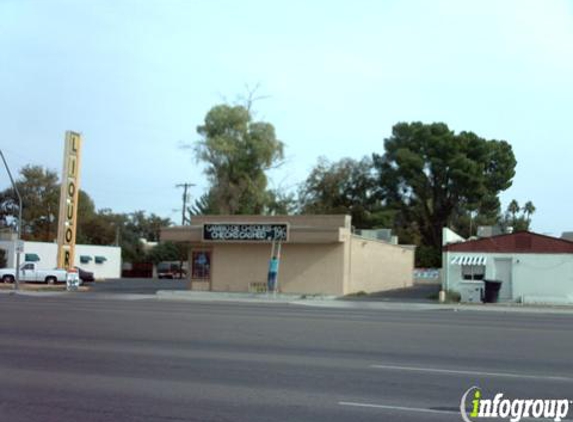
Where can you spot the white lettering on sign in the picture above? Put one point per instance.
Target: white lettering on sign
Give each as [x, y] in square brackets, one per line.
[246, 232]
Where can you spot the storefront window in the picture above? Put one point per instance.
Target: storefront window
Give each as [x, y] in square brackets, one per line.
[201, 265]
[473, 272]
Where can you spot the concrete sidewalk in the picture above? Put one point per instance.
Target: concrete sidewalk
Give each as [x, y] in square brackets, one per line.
[35, 293]
[455, 307]
[239, 297]
[317, 301]
[335, 302]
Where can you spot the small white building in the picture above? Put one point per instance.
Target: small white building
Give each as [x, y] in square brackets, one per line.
[103, 261]
[533, 268]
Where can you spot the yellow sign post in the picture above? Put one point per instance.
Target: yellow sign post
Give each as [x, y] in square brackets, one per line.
[67, 223]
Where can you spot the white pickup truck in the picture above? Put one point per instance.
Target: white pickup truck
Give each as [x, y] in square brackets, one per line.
[30, 272]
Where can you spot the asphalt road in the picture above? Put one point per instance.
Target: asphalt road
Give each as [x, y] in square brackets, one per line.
[415, 293]
[81, 358]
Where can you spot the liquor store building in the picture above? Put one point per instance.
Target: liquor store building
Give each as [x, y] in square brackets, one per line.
[319, 254]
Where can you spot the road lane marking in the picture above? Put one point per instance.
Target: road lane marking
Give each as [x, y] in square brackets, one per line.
[399, 408]
[412, 409]
[474, 373]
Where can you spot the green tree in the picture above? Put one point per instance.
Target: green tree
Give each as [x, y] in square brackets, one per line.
[105, 227]
[432, 175]
[167, 251]
[513, 209]
[100, 228]
[86, 215]
[40, 190]
[237, 152]
[516, 217]
[40, 193]
[280, 202]
[528, 210]
[145, 226]
[203, 205]
[276, 202]
[347, 186]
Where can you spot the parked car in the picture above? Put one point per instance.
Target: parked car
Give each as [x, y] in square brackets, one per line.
[166, 270]
[85, 276]
[29, 271]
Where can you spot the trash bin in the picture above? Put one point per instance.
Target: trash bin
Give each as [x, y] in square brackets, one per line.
[492, 288]
[471, 291]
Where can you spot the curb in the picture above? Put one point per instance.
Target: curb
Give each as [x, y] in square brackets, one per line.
[333, 303]
[38, 293]
[196, 296]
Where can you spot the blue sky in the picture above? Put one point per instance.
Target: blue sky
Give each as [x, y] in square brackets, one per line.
[137, 77]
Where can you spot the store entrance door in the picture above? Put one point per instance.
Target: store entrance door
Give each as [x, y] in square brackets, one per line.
[201, 261]
[503, 273]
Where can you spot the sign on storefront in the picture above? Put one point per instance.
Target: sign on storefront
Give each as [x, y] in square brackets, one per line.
[245, 232]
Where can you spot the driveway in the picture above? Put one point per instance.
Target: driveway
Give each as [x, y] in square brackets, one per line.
[416, 293]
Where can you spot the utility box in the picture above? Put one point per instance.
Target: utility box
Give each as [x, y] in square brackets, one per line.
[471, 291]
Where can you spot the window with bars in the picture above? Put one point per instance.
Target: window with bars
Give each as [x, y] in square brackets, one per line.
[473, 272]
[201, 265]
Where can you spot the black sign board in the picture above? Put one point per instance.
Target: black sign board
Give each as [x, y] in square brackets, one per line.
[248, 232]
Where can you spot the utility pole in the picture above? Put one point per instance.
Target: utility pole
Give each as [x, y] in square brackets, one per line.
[185, 186]
[18, 238]
[116, 234]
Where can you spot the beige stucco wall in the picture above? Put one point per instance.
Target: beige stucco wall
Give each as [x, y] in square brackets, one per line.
[375, 266]
[304, 268]
[321, 256]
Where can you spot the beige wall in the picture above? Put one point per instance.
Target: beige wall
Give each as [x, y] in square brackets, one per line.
[332, 269]
[375, 266]
[314, 269]
[320, 257]
[304, 268]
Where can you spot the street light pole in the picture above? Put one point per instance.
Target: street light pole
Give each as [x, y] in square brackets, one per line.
[17, 279]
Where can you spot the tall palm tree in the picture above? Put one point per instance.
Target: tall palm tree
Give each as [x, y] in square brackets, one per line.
[528, 210]
[513, 208]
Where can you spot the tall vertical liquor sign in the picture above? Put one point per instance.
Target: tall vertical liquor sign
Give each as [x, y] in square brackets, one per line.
[67, 223]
